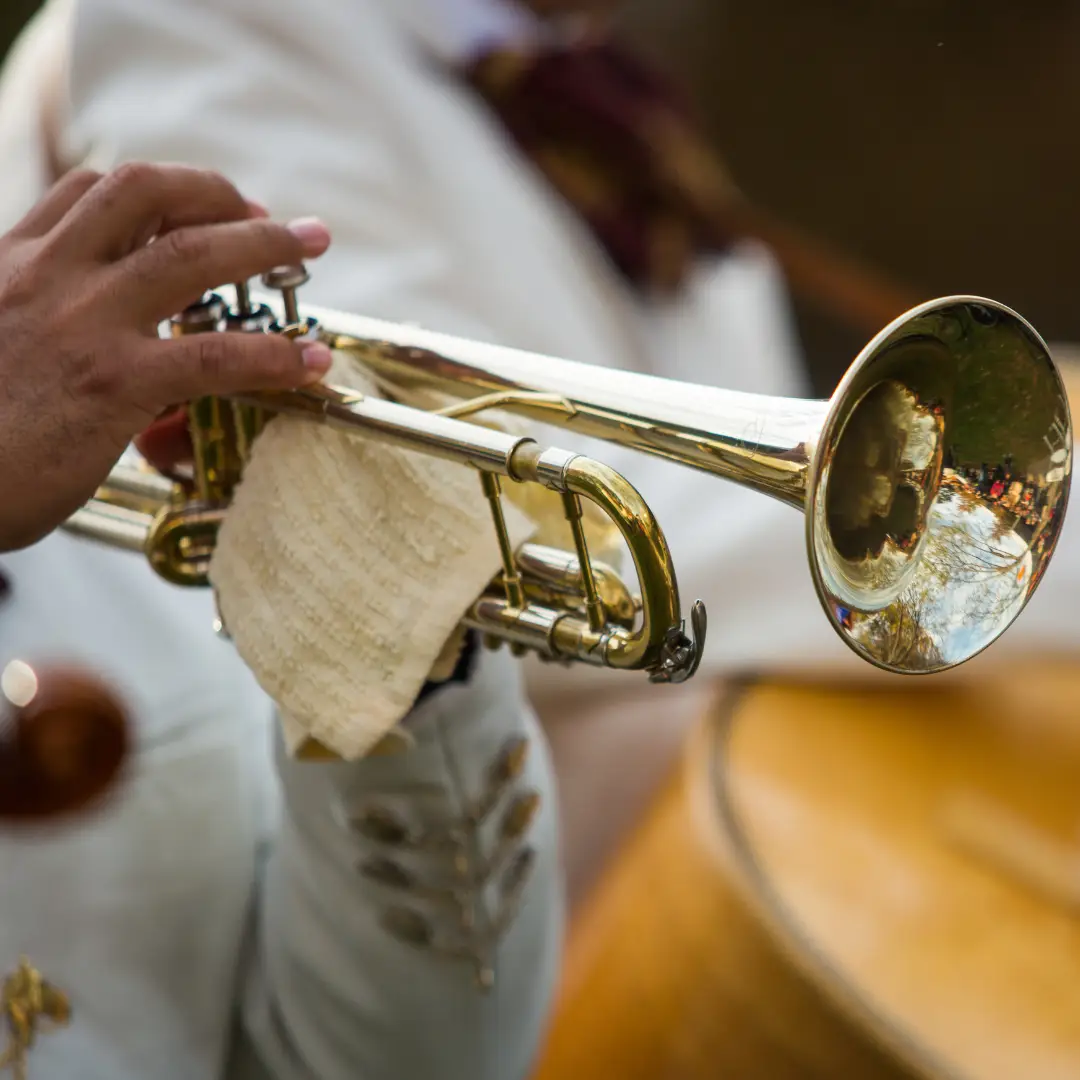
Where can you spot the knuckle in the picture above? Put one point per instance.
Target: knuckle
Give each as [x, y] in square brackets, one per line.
[133, 175]
[89, 374]
[28, 278]
[186, 246]
[215, 356]
[215, 194]
[83, 178]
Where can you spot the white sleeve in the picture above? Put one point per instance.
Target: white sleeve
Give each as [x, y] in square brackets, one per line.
[265, 94]
[34, 61]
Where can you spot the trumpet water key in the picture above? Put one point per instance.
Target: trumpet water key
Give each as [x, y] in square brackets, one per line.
[933, 482]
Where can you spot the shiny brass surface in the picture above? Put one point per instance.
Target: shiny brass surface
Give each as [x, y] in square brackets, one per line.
[30, 1006]
[933, 483]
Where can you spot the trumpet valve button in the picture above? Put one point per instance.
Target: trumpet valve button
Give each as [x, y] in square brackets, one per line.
[243, 298]
[286, 280]
[205, 315]
[259, 319]
[286, 277]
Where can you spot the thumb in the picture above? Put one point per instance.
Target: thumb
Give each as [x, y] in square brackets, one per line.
[198, 365]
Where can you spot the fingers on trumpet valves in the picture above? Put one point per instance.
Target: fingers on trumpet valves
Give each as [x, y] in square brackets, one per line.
[234, 425]
[212, 313]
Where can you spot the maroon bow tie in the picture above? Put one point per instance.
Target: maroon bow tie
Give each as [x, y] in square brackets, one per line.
[619, 143]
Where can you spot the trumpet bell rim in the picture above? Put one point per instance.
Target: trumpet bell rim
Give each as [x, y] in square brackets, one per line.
[939, 484]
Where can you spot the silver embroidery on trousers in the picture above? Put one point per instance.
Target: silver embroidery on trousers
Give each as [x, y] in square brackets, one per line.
[469, 892]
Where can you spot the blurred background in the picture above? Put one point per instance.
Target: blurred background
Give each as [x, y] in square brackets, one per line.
[936, 140]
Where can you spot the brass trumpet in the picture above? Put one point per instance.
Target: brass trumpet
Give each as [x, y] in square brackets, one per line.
[933, 482]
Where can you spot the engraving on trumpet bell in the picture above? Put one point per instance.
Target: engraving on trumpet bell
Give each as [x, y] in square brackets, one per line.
[1057, 439]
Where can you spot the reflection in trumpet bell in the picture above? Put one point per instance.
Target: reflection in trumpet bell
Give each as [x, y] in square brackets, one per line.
[974, 442]
[883, 480]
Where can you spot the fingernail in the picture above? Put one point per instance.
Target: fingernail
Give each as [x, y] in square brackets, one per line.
[317, 357]
[257, 209]
[312, 233]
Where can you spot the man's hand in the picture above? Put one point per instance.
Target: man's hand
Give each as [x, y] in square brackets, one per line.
[85, 279]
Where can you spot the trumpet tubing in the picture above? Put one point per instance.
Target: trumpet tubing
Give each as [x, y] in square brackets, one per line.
[933, 482]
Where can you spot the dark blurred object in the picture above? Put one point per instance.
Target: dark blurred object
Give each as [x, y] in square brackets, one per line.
[620, 145]
[618, 141]
[64, 738]
[13, 16]
[933, 139]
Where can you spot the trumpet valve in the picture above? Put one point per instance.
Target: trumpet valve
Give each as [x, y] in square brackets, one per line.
[286, 280]
[204, 316]
[246, 316]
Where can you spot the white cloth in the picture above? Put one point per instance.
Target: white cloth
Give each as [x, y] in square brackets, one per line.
[342, 572]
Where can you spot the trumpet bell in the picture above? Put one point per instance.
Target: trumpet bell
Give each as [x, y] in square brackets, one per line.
[939, 484]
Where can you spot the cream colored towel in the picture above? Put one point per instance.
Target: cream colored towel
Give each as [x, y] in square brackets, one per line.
[342, 570]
